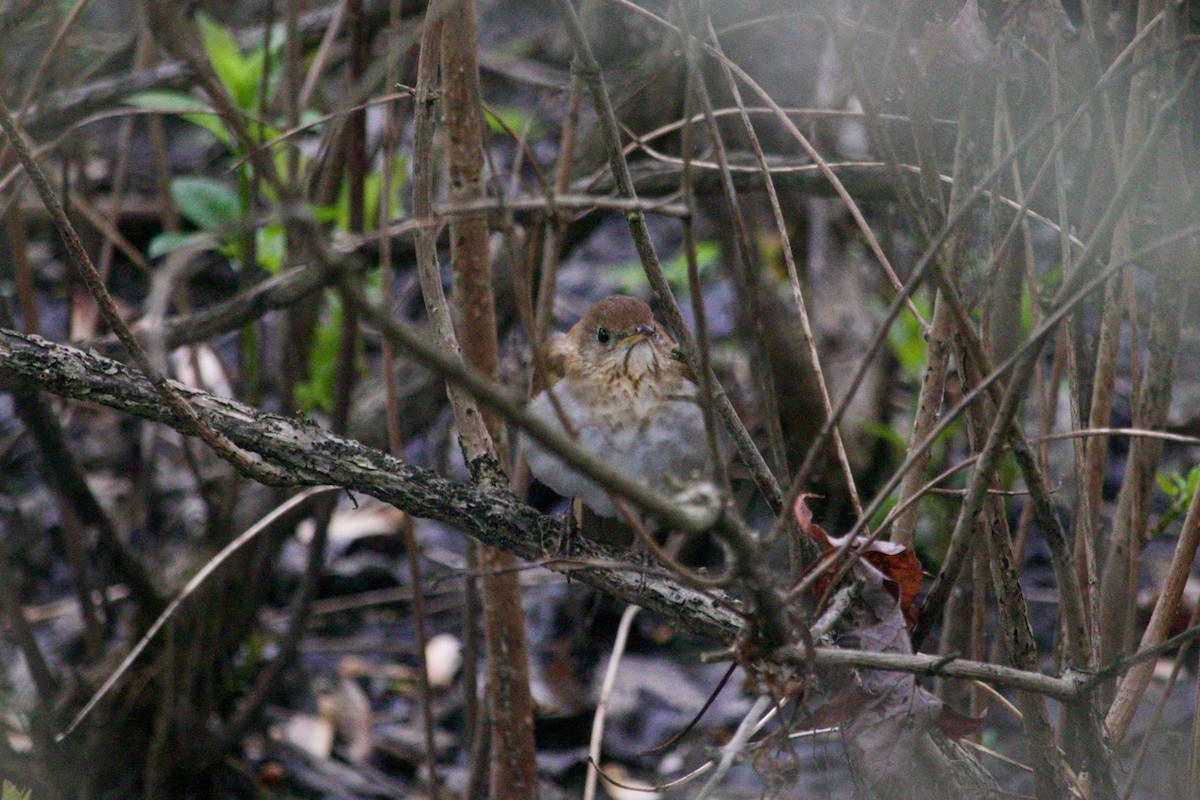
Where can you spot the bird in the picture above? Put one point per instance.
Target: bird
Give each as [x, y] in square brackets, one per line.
[627, 396]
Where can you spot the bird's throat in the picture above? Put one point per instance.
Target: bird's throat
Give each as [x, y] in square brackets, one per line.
[640, 360]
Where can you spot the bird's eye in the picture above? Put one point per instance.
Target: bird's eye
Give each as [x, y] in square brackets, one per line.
[602, 336]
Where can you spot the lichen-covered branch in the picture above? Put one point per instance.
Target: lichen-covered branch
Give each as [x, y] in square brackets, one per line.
[311, 455]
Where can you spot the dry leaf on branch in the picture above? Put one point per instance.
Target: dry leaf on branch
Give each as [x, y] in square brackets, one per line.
[899, 564]
[899, 737]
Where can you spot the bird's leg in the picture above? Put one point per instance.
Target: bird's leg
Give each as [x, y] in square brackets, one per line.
[573, 528]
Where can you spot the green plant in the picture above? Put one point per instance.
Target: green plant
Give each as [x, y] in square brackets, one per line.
[906, 340]
[217, 210]
[221, 211]
[630, 277]
[240, 73]
[10, 792]
[219, 214]
[506, 119]
[1179, 488]
[316, 392]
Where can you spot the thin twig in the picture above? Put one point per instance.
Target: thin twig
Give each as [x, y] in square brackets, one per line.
[188, 590]
[734, 747]
[851, 206]
[382, 476]
[553, 236]
[1129, 693]
[745, 277]
[83, 266]
[610, 678]
[589, 71]
[790, 261]
[317, 456]
[513, 772]
[44, 682]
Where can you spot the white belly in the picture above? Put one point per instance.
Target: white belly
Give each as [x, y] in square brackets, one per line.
[663, 455]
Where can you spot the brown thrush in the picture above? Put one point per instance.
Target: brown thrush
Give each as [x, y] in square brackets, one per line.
[627, 397]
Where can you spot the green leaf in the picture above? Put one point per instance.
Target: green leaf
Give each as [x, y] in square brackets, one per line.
[1026, 313]
[269, 246]
[881, 513]
[907, 341]
[631, 277]
[326, 215]
[238, 74]
[169, 102]
[514, 119]
[186, 106]
[10, 792]
[1180, 490]
[169, 242]
[372, 184]
[213, 124]
[398, 186]
[372, 187]
[886, 432]
[207, 203]
[1193, 478]
[317, 392]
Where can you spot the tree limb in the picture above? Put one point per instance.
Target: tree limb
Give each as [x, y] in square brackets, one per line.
[311, 455]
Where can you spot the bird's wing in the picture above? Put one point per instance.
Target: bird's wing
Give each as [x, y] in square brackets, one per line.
[552, 364]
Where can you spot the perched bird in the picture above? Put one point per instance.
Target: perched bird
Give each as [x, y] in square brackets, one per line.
[626, 395]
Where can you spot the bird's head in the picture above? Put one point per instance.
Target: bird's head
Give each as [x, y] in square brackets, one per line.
[619, 336]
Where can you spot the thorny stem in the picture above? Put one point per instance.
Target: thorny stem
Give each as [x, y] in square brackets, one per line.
[317, 456]
[1036, 337]
[800, 479]
[1113, 72]
[1078, 639]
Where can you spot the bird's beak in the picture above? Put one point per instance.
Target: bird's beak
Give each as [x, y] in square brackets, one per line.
[639, 334]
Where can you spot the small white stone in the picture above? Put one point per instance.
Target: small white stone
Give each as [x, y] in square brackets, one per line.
[443, 660]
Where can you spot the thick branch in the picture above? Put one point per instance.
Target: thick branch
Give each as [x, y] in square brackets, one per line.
[315, 456]
[311, 455]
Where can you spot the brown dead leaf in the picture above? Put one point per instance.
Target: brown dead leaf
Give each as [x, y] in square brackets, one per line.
[956, 724]
[899, 564]
[846, 704]
[885, 717]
